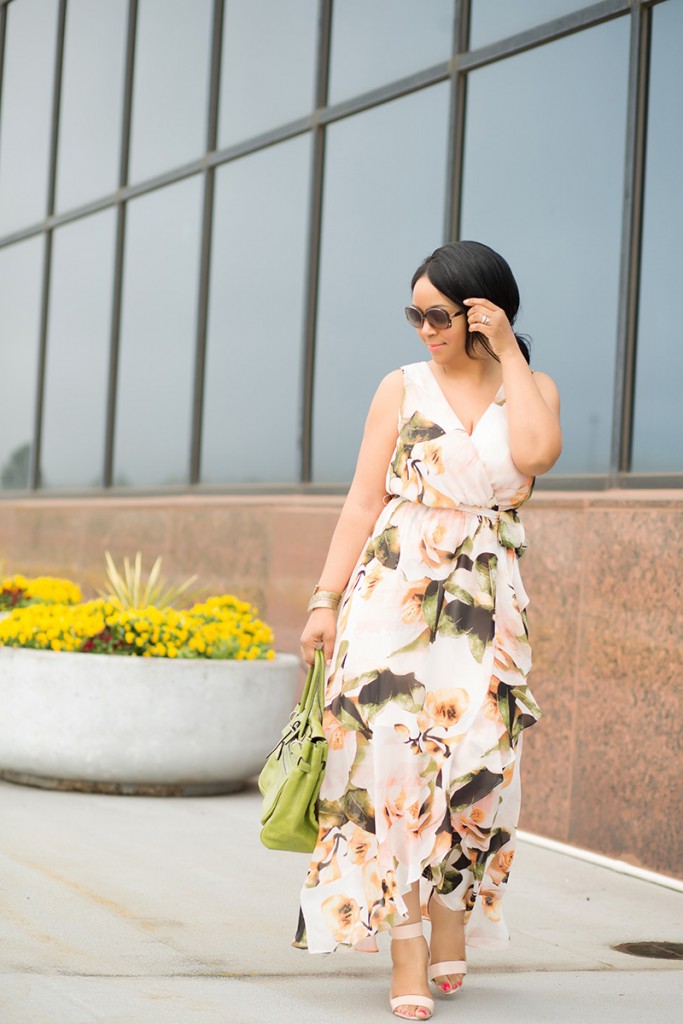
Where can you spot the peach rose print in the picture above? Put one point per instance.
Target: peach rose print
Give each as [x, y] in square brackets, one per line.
[361, 846]
[443, 708]
[412, 601]
[340, 913]
[491, 905]
[499, 867]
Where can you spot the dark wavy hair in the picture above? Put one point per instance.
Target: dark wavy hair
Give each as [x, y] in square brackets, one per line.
[466, 270]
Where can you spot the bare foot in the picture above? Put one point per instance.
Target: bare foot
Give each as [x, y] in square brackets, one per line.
[447, 942]
[409, 974]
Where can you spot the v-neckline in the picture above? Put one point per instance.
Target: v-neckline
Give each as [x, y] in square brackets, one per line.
[452, 410]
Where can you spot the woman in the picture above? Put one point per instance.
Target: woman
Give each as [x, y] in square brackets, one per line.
[427, 696]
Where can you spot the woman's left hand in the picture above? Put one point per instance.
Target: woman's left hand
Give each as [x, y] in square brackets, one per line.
[491, 321]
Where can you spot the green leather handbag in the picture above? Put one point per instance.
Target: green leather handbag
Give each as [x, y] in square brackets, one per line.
[292, 775]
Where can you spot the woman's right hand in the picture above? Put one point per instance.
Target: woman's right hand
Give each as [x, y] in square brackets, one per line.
[320, 631]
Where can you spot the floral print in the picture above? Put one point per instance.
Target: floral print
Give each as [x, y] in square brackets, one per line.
[427, 694]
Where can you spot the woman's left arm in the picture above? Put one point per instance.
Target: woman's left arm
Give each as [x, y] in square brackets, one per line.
[531, 399]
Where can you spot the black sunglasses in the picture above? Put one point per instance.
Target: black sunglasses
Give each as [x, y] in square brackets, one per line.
[436, 317]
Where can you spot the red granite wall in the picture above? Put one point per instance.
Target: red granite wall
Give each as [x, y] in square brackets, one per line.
[603, 769]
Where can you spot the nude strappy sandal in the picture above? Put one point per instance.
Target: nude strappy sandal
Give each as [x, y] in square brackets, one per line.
[410, 931]
[443, 967]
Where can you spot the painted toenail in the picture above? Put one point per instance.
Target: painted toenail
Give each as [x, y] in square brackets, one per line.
[446, 987]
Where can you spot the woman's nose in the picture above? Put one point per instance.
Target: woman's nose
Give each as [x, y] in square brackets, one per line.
[427, 332]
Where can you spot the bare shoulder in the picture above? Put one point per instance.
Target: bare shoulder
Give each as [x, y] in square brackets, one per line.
[386, 403]
[392, 383]
[548, 388]
[390, 390]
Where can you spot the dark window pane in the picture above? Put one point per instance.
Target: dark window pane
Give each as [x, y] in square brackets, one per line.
[20, 280]
[268, 67]
[252, 413]
[376, 43]
[383, 213]
[170, 97]
[658, 408]
[492, 20]
[92, 94]
[156, 370]
[78, 353]
[26, 112]
[543, 185]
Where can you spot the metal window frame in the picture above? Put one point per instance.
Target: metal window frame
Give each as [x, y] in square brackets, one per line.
[194, 468]
[119, 246]
[36, 447]
[455, 70]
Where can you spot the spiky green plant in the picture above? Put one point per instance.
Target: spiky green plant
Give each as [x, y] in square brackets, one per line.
[129, 589]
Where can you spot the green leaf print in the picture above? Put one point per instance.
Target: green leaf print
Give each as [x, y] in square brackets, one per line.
[450, 880]
[352, 684]
[386, 547]
[432, 603]
[418, 644]
[405, 690]
[476, 785]
[486, 566]
[455, 590]
[331, 814]
[461, 619]
[346, 712]
[358, 808]
[400, 461]
[506, 705]
[499, 837]
[419, 428]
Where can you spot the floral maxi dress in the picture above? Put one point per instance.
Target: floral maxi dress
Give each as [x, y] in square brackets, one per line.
[427, 694]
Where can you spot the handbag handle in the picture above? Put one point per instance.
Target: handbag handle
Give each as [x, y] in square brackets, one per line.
[314, 690]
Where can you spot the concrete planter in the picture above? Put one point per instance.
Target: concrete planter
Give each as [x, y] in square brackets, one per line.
[103, 723]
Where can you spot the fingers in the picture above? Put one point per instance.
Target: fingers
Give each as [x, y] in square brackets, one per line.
[483, 317]
[307, 654]
[310, 642]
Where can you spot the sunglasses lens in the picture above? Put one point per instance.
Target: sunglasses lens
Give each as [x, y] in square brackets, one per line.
[438, 319]
[413, 316]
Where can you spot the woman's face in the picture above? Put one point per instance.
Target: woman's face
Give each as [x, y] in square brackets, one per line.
[442, 345]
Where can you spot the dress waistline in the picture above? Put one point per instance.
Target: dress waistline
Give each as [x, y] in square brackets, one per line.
[493, 514]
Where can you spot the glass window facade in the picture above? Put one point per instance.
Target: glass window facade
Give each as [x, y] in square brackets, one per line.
[253, 396]
[77, 363]
[553, 208]
[658, 425]
[491, 20]
[158, 328]
[20, 276]
[384, 206]
[216, 207]
[375, 43]
[280, 83]
[91, 102]
[25, 112]
[171, 85]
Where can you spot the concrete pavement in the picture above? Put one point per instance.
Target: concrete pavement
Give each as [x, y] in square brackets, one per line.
[157, 911]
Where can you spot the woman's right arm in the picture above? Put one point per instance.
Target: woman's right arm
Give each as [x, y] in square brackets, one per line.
[363, 505]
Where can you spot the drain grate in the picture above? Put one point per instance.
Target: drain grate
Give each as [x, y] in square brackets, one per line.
[652, 950]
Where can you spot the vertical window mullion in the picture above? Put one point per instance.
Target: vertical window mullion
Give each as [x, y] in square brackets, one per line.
[629, 274]
[117, 285]
[34, 465]
[457, 123]
[3, 32]
[315, 226]
[205, 258]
